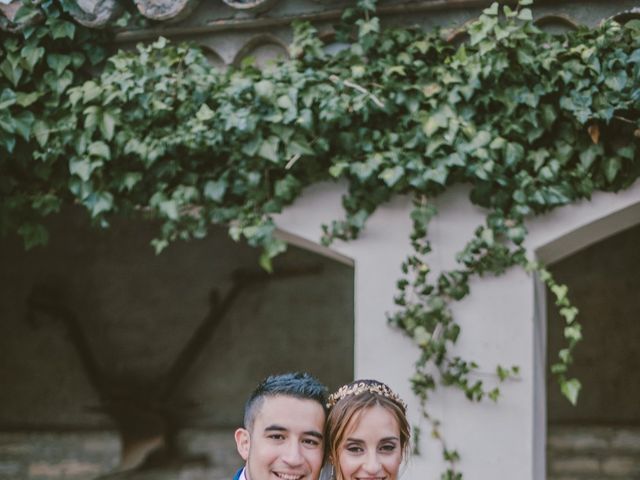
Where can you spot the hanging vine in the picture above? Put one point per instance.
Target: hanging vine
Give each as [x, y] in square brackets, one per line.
[157, 133]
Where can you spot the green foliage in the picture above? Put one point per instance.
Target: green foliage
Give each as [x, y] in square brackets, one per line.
[38, 66]
[530, 121]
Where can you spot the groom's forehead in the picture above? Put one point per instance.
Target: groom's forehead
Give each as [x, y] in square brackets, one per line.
[283, 410]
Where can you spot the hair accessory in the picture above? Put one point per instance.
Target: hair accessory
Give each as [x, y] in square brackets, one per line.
[362, 387]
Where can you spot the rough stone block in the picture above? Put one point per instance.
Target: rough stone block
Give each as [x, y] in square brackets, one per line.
[574, 465]
[626, 440]
[578, 439]
[621, 466]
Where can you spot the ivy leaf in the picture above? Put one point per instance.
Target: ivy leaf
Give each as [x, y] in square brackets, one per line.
[100, 149]
[434, 122]
[437, 175]
[560, 291]
[107, 125]
[491, 10]
[90, 91]
[59, 83]
[514, 153]
[589, 155]
[611, 167]
[573, 333]
[58, 62]
[11, 72]
[363, 170]
[525, 14]
[299, 146]
[215, 190]
[7, 98]
[23, 123]
[390, 176]
[99, 202]
[81, 167]
[571, 389]
[130, 180]
[26, 99]
[33, 234]
[336, 169]
[61, 28]
[569, 314]
[264, 89]
[31, 54]
[25, 14]
[616, 81]
[204, 113]
[170, 209]
[269, 149]
[41, 132]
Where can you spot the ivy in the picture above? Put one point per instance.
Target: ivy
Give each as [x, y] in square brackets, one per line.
[156, 133]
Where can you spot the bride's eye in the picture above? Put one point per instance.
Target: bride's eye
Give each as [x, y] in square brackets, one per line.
[388, 447]
[353, 448]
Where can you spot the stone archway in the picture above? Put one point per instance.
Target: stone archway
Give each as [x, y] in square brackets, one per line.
[113, 357]
[556, 238]
[600, 436]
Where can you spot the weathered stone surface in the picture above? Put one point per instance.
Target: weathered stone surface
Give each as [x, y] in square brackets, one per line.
[621, 466]
[253, 5]
[627, 440]
[593, 453]
[577, 439]
[583, 464]
[92, 455]
[97, 13]
[166, 10]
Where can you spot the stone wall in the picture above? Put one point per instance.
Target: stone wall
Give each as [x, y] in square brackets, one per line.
[205, 454]
[599, 439]
[593, 453]
[139, 313]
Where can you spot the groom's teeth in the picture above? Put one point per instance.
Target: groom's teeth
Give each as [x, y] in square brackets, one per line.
[285, 476]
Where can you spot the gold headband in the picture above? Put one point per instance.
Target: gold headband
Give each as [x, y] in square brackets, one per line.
[362, 387]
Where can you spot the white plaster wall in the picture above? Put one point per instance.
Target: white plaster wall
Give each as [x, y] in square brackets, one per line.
[500, 320]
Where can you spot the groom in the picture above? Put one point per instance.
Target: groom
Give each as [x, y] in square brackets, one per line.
[283, 434]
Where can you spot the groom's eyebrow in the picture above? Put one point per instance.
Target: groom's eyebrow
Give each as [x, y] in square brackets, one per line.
[314, 433]
[280, 428]
[275, 428]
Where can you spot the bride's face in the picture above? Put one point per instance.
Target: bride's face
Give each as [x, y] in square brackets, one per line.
[371, 447]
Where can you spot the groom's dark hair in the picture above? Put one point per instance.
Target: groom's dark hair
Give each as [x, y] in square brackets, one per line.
[295, 384]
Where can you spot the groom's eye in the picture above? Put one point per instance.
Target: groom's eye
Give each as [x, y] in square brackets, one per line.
[312, 442]
[276, 436]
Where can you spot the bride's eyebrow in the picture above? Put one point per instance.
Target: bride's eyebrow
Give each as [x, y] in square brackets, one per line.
[353, 440]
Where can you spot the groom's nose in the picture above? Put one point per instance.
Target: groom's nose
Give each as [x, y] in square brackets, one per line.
[293, 453]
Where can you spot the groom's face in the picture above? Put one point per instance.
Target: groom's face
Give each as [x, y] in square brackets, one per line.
[285, 441]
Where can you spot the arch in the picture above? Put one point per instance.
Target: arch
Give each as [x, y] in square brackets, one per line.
[571, 228]
[557, 23]
[627, 15]
[308, 245]
[553, 237]
[213, 57]
[264, 47]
